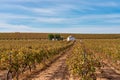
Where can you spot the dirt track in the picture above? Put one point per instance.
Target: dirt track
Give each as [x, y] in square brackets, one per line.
[56, 71]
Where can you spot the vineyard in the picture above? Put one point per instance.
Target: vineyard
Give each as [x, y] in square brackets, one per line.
[106, 50]
[82, 62]
[17, 56]
[89, 56]
[87, 59]
[39, 36]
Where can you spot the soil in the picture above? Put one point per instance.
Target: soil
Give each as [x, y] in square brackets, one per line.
[108, 73]
[56, 71]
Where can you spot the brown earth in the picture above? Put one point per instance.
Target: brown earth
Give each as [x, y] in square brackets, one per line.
[56, 71]
[107, 72]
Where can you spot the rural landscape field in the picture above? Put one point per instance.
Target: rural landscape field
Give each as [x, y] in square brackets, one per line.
[59, 39]
[24, 56]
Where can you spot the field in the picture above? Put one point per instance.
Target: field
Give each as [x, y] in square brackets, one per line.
[89, 56]
[17, 55]
[24, 36]
[32, 57]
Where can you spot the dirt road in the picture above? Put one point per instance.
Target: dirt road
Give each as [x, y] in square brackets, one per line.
[56, 71]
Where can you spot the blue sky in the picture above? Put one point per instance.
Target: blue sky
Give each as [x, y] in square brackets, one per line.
[66, 16]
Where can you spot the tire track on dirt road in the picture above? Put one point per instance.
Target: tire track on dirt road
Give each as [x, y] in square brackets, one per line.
[56, 71]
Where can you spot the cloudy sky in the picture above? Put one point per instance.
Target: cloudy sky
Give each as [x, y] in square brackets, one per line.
[66, 16]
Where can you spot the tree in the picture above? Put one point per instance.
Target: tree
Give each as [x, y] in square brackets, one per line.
[57, 36]
[50, 36]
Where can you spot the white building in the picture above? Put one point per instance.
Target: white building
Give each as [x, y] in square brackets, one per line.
[70, 38]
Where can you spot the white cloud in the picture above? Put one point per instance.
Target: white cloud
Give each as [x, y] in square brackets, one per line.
[100, 3]
[43, 11]
[51, 20]
[73, 29]
[13, 16]
[58, 9]
[15, 28]
[61, 20]
[100, 16]
[20, 1]
[108, 4]
[39, 10]
[116, 21]
[92, 29]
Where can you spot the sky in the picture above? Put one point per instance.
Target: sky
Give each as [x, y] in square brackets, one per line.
[60, 16]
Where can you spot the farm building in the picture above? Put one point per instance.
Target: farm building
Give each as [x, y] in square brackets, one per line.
[70, 38]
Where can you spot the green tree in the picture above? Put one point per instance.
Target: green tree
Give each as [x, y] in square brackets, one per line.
[50, 36]
[57, 36]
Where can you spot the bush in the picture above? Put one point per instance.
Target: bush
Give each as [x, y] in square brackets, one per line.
[50, 36]
[55, 37]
